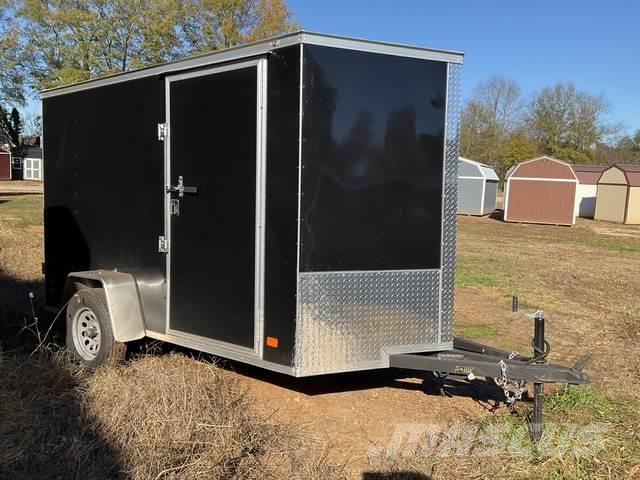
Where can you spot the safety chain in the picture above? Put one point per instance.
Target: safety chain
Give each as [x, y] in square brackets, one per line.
[503, 382]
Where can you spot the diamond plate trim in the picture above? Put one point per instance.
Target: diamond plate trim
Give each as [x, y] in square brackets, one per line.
[454, 104]
[346, 319]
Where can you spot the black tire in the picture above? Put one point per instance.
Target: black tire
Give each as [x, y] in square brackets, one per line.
[89, 335]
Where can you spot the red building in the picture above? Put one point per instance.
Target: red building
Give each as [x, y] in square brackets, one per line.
[5, 165]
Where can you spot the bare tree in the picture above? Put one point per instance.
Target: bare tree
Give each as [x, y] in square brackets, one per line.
[501, 99]
[492, 115]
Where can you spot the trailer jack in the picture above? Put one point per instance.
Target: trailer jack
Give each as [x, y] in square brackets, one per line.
[510, 370]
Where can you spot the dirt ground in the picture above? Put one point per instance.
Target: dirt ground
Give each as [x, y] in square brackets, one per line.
[586, 278]
[20, 186]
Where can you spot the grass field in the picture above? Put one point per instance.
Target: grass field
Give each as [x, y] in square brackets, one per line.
[168, 415]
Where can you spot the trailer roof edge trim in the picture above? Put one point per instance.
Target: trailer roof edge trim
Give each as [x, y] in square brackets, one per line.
[260, 48]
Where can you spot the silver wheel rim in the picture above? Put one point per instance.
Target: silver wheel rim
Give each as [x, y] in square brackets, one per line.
[86, 333]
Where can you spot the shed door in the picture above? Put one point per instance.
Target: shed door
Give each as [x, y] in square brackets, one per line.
[32, 169]
[214, 213]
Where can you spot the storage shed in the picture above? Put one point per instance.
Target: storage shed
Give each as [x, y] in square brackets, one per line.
[618, 198]
[541, 190]
[477, 187]
[5, 165]
[27, 162]
[588, 176]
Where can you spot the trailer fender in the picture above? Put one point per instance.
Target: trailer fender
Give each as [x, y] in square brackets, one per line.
[123, 300]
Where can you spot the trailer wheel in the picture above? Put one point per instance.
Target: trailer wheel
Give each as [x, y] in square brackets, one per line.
[89, 334]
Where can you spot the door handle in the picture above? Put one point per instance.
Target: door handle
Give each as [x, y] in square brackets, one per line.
[181, 189]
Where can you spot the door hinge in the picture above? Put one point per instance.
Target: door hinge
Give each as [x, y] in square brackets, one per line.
[162, 131]
[163, 244]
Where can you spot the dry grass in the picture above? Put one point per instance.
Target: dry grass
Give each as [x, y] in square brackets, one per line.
[168, 417]
[174, 417]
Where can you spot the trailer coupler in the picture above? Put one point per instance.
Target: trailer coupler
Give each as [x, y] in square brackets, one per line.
[510, 370]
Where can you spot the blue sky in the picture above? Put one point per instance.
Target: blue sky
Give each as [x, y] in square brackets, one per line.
[595, 44]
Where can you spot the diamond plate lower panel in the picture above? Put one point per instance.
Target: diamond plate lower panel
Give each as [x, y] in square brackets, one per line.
[346, 319]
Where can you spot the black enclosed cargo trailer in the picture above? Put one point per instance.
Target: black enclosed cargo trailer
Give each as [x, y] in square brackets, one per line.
[289, 203]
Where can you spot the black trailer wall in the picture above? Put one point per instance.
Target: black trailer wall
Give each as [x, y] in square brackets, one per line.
[372, 161]
[104, 176]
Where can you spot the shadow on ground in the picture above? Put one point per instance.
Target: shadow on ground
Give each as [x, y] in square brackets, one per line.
[18, 193]
[497, 215]
[44, 430]
[486, 393]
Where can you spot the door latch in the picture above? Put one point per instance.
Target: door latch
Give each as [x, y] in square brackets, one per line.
[181, 189]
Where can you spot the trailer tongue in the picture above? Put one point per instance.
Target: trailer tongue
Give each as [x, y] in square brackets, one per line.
[510, 370]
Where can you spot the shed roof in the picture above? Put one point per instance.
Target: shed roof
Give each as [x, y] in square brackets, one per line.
[543, 168]
[28, 151]
[589, 174]
[2, 150]
[632, 174]
[485, 171]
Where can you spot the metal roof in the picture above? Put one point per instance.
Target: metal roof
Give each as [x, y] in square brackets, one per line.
[27, 151]
[261, 48]
[632, 173]
[487, 172]
[589, 174]
[544, 159]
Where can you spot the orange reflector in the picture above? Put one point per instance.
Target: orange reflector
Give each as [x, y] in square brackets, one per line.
[272, 342]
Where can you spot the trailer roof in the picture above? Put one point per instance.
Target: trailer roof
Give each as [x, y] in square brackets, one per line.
[260, 48]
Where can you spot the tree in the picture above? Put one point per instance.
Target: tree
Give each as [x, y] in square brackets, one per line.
[517, 148]
[501, 99]
[630, 143]
[567, 123]
[479, 139]
[11, 125]
[11, 74]
[71, 40]
[489, 118]
[625, 150]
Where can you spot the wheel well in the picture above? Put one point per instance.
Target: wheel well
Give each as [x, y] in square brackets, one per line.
[121, 294]
[84, 284]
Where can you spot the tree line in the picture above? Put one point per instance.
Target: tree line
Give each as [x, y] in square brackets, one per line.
[500, 127]
[49, 43]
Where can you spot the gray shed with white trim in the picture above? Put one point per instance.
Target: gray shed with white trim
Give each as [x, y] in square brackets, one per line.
[477, 187]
